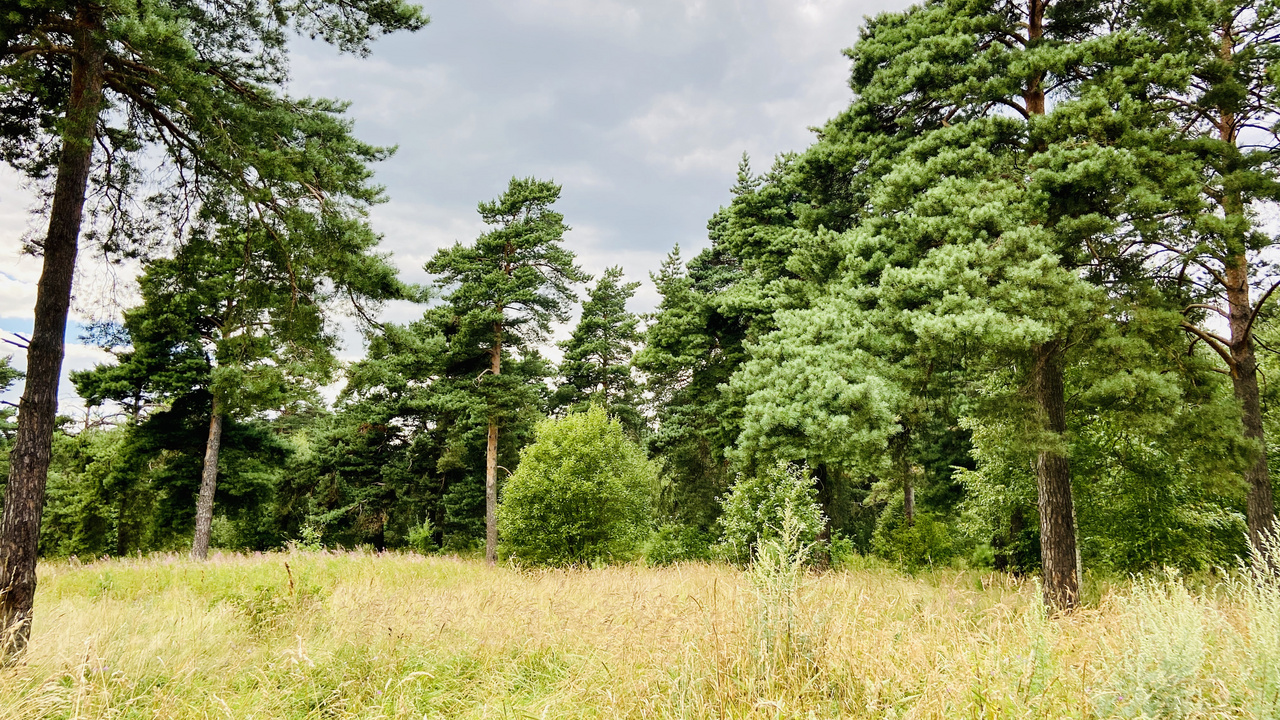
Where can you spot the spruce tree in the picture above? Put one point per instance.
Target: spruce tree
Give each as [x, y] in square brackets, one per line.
[693, 345]
[597, 357]
[202, 83]
[505, 290]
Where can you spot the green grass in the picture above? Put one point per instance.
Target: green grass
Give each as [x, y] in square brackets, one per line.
[314, 635]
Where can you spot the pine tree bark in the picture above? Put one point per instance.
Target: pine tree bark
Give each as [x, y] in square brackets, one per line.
[208, 484]
[1260, 513]
[29, 459]
[491, 464]
[1058, 556]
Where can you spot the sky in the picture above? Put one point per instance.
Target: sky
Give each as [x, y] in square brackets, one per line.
[640, 109]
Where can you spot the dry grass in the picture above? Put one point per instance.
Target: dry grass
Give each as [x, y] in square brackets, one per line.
[401, 636]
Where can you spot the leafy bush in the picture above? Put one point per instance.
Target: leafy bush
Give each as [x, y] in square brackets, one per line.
[671, 543]
[420, 538]
[757, 505]
[926, 541]
[310, 538]
[581, 494]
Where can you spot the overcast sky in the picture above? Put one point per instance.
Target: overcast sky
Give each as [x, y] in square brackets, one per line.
[639, 108]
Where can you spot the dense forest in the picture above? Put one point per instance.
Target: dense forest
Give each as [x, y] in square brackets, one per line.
[1012, 307]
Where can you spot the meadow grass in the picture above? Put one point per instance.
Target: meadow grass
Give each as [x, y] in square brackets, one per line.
[351, 635]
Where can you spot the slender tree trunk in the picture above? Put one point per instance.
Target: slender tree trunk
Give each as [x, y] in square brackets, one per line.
[491, 465]
[1058, 556]
[29, 460]
[1260, 512]
[208, 484]
[1006, 547]
[908, 487]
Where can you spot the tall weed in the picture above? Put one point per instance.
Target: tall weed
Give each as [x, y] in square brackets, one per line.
[786, 646]
[1256, 588]
[1159, 670]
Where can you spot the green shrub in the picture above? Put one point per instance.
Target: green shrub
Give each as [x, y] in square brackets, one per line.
[924, 542]
[420, 538]
[672, 543]
[581, 494]
[840, 550]
[757, 505]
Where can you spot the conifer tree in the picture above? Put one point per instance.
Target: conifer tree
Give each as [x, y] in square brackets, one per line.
[692, 347]
[997, 165]
[202, 83]
[597, 357]
[506, 289]
[408, 440]
[245, 316]
[1214, 87]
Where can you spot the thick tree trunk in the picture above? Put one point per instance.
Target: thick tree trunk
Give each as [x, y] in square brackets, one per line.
[208, 484]
[1058, 556]
[491, 465]
[1260, 512]
[29, 460]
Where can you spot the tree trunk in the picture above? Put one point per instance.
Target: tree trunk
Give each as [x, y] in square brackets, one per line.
[491, 465]
[29, 460]
[1058, 556]
[909, 500]
[908, 487]
[1260, 512]
[208, 484]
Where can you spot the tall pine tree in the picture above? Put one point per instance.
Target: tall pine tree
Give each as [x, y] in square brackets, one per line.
[200, 81]
[1211, 76]
[506, 289]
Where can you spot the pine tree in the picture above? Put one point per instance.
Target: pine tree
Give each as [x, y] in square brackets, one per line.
[1000, 164]
[200, 81]
[1215, 88]
[245, 316]
[506, 290]
[597, 357]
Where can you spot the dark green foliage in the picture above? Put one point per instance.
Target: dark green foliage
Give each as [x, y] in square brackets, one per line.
[692, 347]
[670, 543]
[597, 357]
[516, 278]
[504, 291]
[129, 489]
[1010, 198]
[926, 541]
[204, 83]
[580, 495]
[407, 440]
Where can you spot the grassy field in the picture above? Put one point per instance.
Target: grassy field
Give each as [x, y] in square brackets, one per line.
[305, 635]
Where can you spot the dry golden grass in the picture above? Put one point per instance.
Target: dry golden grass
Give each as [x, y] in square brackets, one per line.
[400, 636]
